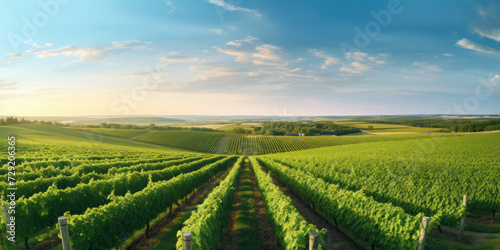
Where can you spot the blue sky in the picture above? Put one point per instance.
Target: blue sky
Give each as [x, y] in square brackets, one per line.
[242, 57]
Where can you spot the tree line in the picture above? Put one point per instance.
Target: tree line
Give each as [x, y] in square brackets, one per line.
[15, 120]
[306, 128]
[455, 125]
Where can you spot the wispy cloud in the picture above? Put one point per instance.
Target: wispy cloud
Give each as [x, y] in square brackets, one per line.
[268, 52]
[7, 84]
[349, 70]
[465, 43]
[92, 53]
[230, 7]
[488, 24]
[492, 33]
[178, 59]
[83, 54]
[426, 67]
[495, 80]
[130, 44]
[248, 51]
[362, 62]
[172, 7]
[16, 55]
[329, 60]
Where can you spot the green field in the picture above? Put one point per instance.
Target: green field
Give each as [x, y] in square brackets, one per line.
[263, 144]
[377, 188]
[246, 126]
[114, 132]
[385, 128]
[192, 140]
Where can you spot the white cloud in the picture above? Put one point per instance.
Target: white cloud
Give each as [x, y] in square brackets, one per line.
[465, 43]
[232, 43]
[16, 55]
[495, 80]
[358, 56]
[248, 51]
[7, 84]
[239, 53]
[93, 53]
[488, 23]
[268, 52]
[130, 44]
[359, 66]
[178, 59]
[349, 70]
[239, 43]
[425, 67]
[217, 31]
[256, 62]
[230, 7]
[40, 53]
[446, 54]
[172, 7]
[362, 56]
[492, 33]
[329, 60]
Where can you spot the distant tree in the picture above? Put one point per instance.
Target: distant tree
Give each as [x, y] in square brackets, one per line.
[370, 127]
[151, 126]
[257, 129]
[239, 130]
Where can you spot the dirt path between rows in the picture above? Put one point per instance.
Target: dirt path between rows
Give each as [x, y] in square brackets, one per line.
[139, 134]
[222, 145]
[248, 224]
[162, 235]
[334, 239]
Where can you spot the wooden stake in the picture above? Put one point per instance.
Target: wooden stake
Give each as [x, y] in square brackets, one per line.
[423, 232]
[6, 216]
[63, 228]
[462, 221]
[187, 241]
[313, 241]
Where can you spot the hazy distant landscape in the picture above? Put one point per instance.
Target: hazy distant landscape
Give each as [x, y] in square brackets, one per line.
[224, 124]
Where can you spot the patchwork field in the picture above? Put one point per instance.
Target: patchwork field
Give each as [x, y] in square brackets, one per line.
[119, 193]
[114, 132]
[387, 128]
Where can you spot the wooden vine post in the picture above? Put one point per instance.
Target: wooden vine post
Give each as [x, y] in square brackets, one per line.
[6, 216]
[7, 220]
[462, 221]
[63, 228]
[187, 241]
[313, 241]
[423, 232]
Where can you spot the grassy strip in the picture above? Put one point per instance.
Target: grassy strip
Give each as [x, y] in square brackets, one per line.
[208, 222]
[292, 233]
